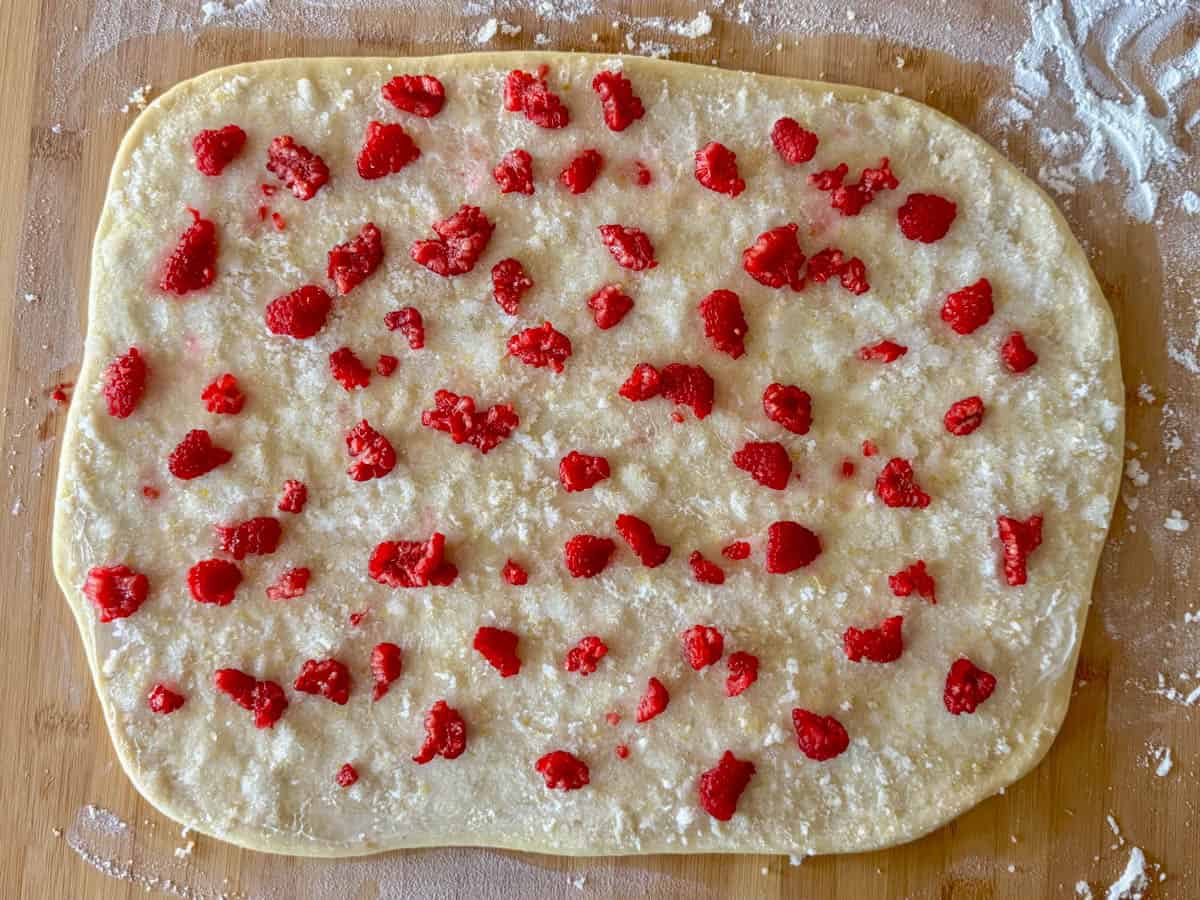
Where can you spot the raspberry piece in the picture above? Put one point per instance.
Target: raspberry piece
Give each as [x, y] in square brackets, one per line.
[767, 462]
[387, 662]
[162, 699]
[830, 262]
[499, 648]
[356, 618]
[724, 323]
[1016, 355]
[582, 171]
[966, 687]
[736, 550]
[409, 323]
[1019, 540]
[897, 487]
[926, 217]
[290, 584]
[881, 645]
[586, 655]
[265, 698]
[853, 276]
[386, 364]
[348, 369]
[775, 258]
[514, 172]
[445, 734]
[116, 591]
[457, 417]
[327, 677]
[192, 265]
[461, 240]
[794, 144]
[586, 555]
[705, 571]
[688, 386]
[819, 737]
[578, 471]
[828, 179]
[640, 537]
[620, 105]
[411, 564]
[612, 718]
[196, 455]
[743, 672]
[849, 199]
[847, 468]
[964, 416]
[722, 786]
[969, 308]
[885, 351]
[541, 347]
[790, 546]
[214, 581]
[563, 771]
[59, 394]
[642, 175]
[629, 247]
[914, 579]
[509, 284]
[295, 495]
[372, 453]
[653, 702]
[644, 383]
[149, 492]
[124, 383]
[347, 775]
[514, 573]
[386, 150]
[254, 536]
[788, 406]
[421, 95]
[300, 314]
[702, 646]
[223, 396]
[869, 448]
[716, 169]
[350, 263]
[217, 148]
[609, 306]
[301, 170]
[529, 94]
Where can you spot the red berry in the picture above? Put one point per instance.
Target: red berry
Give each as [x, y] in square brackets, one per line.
[563, 771]
[347, 775]
[819, 737]
[196, 455]
[514, 172]
[586, 555]
[352, 262]
[897, 487]
[356, 618]
[724, 323]
[869, 448]
[969, 308]
[529, 94]
[775, 258]
[743, 672]
[422, 95]
[964, 416]
[290, 584]
[790, 546]
[578, 471]
[373, 454]
[716, 169]
[499, 648]
[914, 579]
[387, 148]
[150, 493]
[387, 662]
[509, 284]
[224, 396]
[621, 106]
[265, 698]
[124, 383]
[162, 699]
[926, 217]
[295, 495]
[514, 573]
[881, 645]
[445, 734]
[214, 581]
[705, 571]
[642, 175]
[645, 382]
[736, 550]
[541, 347]
[327, 677]
[409, 323]
[1019, 540]
[586, 655]
[788, 406]
[348, 369]
[640, 537]
[1016, 355]
[301, 170]
[254, 536]
[884, 351]
[721, 787]
[609, 305]
[457, 417]
[116, 591]
[688, 386]
[702, 646]
[192, 265]
[461, 240]
[217, 148]
[830, 262]
[386, 364]
[582, 171]
[767, 462]
[966, 687]
[622, 751]
[847, 468]
[794, 144]
[300, 314]
[411, 564]
[629, 247]
[849, 199]
[653, 702]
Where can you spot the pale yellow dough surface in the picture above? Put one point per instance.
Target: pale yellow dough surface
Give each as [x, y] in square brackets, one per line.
[1050, 444]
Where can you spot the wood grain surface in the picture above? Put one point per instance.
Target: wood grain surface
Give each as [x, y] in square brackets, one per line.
[61, 123]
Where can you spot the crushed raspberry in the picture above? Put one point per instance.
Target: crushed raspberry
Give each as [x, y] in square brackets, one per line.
[301, 170]
[124, 383]
[881, 645]
[386, 149]
[509, 284]
[645, 382]
[612, 718]
[964, 416]
[300, 314]
[702, 646]
[869, 449]
[586, 655]
[514, 172]
[579, 471]
[788, 406]
[290, 584]
[373, 454]
[969, 308]
[461, 240]
[265, 698]
[457, 417]
[116, 591]
[412, 564]
[885, 351]
[819, 737]
[830, 262]
[629, 247]
[563, 771]
[348, 370]
[217, 148]
[847, 468]
[327, 677]
[853, 276]
[743, 672]
[914, 579]
[387, 662]
[721, 787]
[582, 171]
[163, 700]
[1016, 355]
[278, 221]
[223, 396]
[409, 323]
[966, 687]
[794, 144]
[352, 262]
[737, 550]
[688, 386]
[254, 536]
[724, 323]
[268, 190]
[499, 648]
[356, 618]
[897, 487]
[1019, 540]
[514, 573]
[640, 537]
[767, 462]
[386, 365]
[653, 702]
[59, 394]
[622, 751]
[705, 571]
[445, 734]
[295, 495]
[421, 95]
[849, 199]
[149, 492]
[347, 775]
[541, 347]
[192, 265]
[926, 217]
[214, 581]
[828, 179]
[775, 258]
[790, 546]
[716, 169]
[621, 106]
[586, 555]
[642, 175]
[609, 306]
[529, 94]
[196, 455]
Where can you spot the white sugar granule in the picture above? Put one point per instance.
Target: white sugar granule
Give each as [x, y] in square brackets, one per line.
[1136, 474]
[1145, 393]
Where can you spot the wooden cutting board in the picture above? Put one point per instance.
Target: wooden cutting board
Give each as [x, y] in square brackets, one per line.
[71, 825]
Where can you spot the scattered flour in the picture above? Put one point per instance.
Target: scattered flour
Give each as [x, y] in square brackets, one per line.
[1165, 763]
[1136, 474]
[1133, 882]
[1083, 890]
[139, 98]
[1176, 522]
